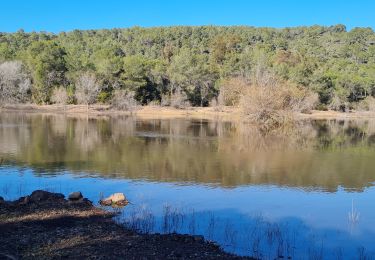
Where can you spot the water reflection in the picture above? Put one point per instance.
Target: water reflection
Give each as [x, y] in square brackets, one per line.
[261, 221]
[313, 155]
[287, 192]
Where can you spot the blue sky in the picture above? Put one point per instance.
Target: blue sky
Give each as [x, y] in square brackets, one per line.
[66, 15]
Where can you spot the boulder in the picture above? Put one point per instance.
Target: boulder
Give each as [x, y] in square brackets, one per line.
[41, 195]
[116, 199]
[75, 196]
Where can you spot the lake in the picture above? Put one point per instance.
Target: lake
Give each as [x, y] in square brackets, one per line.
[302, 192]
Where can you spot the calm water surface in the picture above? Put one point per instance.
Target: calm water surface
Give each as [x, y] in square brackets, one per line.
[304, 192]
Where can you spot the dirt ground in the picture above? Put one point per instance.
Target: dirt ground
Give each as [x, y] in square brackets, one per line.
[44, 225]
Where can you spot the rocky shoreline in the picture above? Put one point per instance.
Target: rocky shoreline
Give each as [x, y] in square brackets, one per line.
[45, 225]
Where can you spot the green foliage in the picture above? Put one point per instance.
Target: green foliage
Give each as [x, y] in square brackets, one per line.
[103, 97]
[157, 62]
[46, 61]
[70, 92]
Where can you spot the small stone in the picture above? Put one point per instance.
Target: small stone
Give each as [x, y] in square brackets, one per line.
[74, 196]
[87, 202]
[105, 202]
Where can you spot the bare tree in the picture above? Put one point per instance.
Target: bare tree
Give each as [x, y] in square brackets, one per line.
[14, 82]
[87, 89]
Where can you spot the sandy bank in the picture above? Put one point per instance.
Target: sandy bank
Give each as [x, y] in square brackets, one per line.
[155, 112]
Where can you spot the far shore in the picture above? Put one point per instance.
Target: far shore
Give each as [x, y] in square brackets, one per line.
[158, 112]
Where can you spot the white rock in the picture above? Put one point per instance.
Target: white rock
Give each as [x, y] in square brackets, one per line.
[116, 197]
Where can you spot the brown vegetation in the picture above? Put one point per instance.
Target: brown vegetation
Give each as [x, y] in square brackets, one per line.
[59, 96]
[271, 102]
[231, 91]
[124, 100]
[177, 99]
[368, 104]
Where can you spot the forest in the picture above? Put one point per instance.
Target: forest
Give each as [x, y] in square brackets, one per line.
[187, 65]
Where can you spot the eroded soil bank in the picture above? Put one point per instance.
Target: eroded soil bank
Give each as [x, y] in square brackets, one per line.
[45, 225]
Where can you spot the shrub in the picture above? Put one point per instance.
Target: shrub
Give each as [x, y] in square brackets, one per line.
[14, 82]
[368, 104]
[60, 96]
[165, 100]
[231, 91]
[123, 100]
[177, 100]
[103, 97]
[304, 100]
[271, 102]
[154, 103]
[321, 107]
[338, 103]
[214, 102]
[71, 94]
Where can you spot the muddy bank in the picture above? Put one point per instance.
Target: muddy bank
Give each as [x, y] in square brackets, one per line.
[47, 226]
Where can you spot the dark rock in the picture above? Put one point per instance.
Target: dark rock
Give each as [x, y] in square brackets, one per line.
[87, 201]
[105, 202]
[41, 195]
[25, 200]
[2, 201]
[74, 196]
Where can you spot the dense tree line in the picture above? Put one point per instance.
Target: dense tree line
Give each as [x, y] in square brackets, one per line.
[156, 64]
